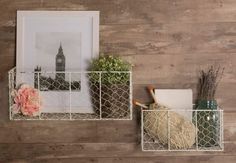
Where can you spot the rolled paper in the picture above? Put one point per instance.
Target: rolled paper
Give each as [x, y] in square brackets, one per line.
[151, 90]
[135, 102]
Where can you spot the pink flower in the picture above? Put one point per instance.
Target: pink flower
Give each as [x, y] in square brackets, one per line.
[26, 101]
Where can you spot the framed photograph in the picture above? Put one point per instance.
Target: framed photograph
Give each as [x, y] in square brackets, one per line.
[54, 48]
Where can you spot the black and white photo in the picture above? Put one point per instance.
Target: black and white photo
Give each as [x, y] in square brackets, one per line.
[61, 52]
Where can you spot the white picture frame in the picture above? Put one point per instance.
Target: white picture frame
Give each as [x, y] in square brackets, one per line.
[48, 26]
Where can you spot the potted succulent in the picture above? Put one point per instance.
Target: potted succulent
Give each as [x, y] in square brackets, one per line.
[208, 121]
[110, 86]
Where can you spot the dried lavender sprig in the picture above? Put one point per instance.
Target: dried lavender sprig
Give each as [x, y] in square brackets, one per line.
[208, 82]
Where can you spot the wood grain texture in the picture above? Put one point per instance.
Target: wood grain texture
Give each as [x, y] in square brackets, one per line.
[167, 41]
[80, 150]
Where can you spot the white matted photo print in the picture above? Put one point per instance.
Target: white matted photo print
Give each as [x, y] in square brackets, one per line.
[54, 48]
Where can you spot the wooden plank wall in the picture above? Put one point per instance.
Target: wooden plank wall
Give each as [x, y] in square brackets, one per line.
[167, 41]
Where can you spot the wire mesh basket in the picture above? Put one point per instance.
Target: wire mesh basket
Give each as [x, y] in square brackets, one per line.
[182, 130]
[87, 95]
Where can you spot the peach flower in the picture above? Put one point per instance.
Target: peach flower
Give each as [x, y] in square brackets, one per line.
[27, 101]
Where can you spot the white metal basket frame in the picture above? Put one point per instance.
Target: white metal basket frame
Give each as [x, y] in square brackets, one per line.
[195, 146]
[12, 81]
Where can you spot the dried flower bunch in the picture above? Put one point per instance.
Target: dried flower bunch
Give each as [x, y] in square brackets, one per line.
[208, 82]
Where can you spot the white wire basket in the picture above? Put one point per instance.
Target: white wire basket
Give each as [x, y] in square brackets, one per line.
[192, 130]
[108, 94]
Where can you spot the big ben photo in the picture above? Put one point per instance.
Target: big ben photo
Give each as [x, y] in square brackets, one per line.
[60, 54]
[60, 64]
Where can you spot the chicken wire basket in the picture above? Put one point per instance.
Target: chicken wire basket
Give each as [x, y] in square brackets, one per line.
[182, 130]
[87, 95]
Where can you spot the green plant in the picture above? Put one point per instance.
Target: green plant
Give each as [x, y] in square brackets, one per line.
[113, 70]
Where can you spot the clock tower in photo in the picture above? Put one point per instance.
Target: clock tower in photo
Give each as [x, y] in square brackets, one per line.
[60, 64]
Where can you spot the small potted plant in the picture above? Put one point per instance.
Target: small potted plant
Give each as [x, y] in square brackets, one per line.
[208, 121]
[110, 86]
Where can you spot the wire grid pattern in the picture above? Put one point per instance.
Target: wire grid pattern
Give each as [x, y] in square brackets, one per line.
[110, 93]
[208, 130]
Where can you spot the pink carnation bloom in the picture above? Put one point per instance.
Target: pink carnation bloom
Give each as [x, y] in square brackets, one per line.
[27, 101]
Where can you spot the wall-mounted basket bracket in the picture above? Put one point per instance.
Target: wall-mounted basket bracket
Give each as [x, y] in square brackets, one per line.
[65, 95]
[174, 130]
